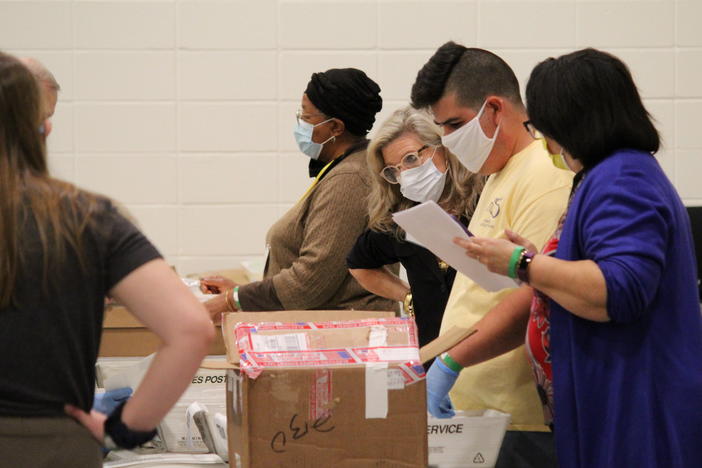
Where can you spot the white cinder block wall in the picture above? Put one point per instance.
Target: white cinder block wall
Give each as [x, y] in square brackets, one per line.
[184, 110]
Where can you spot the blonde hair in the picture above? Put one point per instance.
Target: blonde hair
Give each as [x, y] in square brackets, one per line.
[462, 186]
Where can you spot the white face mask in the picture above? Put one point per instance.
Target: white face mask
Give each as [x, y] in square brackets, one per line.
[423, 183]
[470, 143]
[303, 136]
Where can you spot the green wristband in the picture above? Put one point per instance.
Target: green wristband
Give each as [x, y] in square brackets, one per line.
[513, 261]
[450, 363]
[235, 295]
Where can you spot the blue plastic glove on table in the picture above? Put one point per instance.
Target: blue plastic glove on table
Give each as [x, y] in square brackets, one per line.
[440, 380]
[108, 401]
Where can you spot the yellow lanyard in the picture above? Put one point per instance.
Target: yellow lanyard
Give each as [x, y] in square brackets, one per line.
[316, 179]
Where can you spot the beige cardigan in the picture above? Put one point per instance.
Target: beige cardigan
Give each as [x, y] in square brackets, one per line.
[308, 246]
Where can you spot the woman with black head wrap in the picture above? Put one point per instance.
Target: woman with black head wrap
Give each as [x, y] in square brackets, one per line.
[306, 264]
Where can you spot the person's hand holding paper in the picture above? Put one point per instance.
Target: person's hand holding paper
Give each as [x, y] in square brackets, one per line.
[435, 229]
[495, 254]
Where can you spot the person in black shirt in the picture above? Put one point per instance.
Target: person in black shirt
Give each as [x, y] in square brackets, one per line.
[62, 250]
[408, 166]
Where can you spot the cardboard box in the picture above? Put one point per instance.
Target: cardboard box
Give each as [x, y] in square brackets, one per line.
[124, 335]
[310, 391]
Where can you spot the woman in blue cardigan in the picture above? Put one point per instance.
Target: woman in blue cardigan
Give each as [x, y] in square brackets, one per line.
[615, 330]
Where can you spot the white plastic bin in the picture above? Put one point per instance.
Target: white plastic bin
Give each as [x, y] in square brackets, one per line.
[469, 439]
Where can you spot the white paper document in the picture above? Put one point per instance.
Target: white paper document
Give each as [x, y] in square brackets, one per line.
[435, 230]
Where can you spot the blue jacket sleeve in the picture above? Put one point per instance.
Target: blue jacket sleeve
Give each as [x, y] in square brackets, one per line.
[624, 230]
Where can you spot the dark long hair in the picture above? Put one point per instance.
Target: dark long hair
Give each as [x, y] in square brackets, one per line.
[587, 101]
[27, 194]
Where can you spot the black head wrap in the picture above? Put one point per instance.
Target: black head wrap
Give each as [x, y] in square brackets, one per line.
[348, 95]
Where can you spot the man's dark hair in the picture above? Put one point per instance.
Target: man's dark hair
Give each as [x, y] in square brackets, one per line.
[472, 74]
[587, 101]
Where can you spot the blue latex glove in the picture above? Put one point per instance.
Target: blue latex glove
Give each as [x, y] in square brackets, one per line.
[108, 401]
[440, 379]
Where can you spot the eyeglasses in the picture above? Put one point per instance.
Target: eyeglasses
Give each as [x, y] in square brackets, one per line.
[409, 161]
[300, 115]
[535, 134]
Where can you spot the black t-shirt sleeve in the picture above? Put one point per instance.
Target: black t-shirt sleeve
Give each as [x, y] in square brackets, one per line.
[127, 248]
[372, 250]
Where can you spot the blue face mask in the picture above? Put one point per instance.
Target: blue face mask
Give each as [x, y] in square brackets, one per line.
[303, 137]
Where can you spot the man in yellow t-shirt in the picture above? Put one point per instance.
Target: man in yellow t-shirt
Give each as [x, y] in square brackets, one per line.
[474, 96]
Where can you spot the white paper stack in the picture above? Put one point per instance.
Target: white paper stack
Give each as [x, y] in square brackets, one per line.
[434, 229]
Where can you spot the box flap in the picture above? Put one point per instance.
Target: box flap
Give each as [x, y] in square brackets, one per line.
[373, 343]
[231, 319]
[448, 340]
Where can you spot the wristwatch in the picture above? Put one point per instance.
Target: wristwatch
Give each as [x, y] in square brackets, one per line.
[117, 434]
[523, 267]
[408, 304]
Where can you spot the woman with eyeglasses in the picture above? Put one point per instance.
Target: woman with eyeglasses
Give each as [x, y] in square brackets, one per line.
[307, 247]
[615, 331]
[408, 166]
[62, 250]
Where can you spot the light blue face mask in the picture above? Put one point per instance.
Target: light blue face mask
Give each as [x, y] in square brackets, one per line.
[303, 137]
